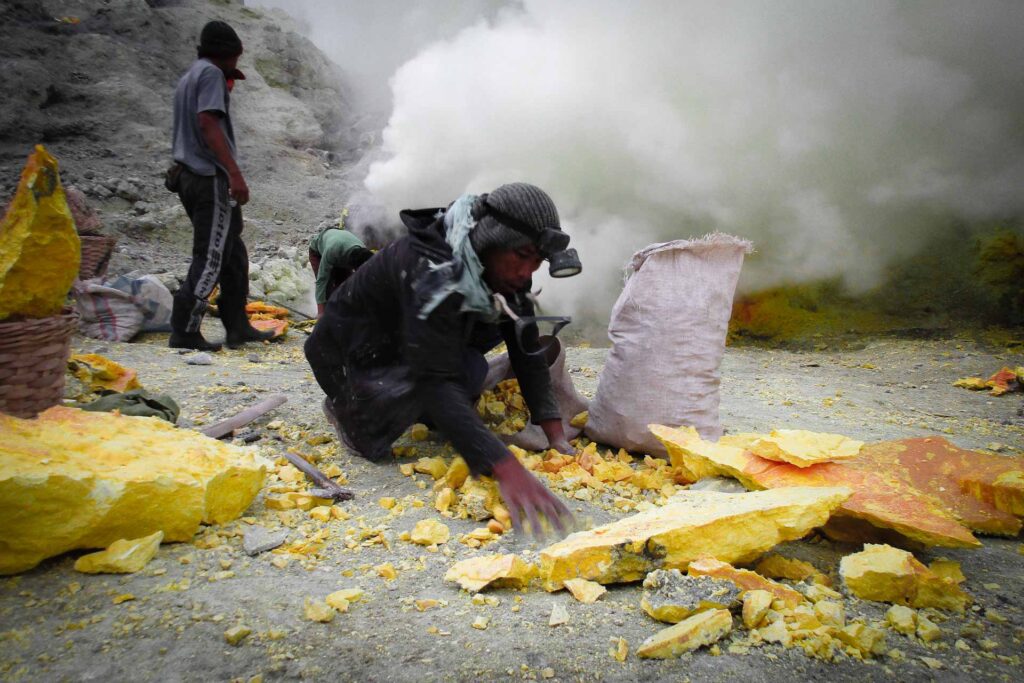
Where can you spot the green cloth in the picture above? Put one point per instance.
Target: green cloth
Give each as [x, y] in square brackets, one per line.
[137, 402]
[334, 246]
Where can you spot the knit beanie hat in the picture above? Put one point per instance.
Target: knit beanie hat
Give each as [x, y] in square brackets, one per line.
[526, 204]
[219, 40]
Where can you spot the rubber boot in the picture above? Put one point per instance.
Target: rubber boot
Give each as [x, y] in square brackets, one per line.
[191, 340]
[570, 403]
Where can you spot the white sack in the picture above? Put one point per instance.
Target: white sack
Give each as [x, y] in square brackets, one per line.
[668, 331]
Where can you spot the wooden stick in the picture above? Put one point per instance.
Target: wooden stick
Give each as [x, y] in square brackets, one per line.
[326, 485]
[225, 427]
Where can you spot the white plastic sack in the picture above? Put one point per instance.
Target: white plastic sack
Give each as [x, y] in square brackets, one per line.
[668, 332]
[118, 308]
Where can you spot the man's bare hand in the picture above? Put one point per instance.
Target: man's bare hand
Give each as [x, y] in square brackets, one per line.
[237, 188]
[528, 500]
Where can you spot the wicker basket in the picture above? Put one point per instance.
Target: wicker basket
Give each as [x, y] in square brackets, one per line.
[33, 359]
[96, 251]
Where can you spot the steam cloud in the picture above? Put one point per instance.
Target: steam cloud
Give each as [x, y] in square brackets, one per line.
[838, 136]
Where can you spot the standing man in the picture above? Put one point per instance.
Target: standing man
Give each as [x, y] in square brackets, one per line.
[334, 254]
[212, 190]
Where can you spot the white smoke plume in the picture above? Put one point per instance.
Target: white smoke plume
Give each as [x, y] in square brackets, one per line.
[838, 136]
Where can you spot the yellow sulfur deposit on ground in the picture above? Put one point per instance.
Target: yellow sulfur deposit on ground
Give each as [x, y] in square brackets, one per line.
[798, 446]
[887, 574]
[39, 246]
[756, 604]
[744, 525]
[779, 567]
[496, 571]
[75, 479]
[122, 557]
[703, 628]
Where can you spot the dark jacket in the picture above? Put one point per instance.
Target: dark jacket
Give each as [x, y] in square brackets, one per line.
[373, 321]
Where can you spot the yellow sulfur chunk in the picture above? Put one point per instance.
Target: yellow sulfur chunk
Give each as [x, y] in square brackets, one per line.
[387, 503]
[445, 498]
[491, 570]
[887, 574]
[585, 591]
[619, 649]
[386, 571]
[746, 580]
[481, 622]
[670, 596]
[74, 479]
[321, 513]
[338, 601]
[703, 628]
[779, 567]
[419, 432]
[803, 448]
[756, 604]
[294, 500]
[677, 533]
[457, 473]
[425, 604]
[865, 639]
[435, 467]
[775, 632]
[98, 372]
[579, 421]
[948, 569]
[39, 246]
[121, 557]
[429, 532]
[349, 594]
[830, 613]
[236, 634]
[927, 630]
[318, 611]
[902, 619]
[407, 468]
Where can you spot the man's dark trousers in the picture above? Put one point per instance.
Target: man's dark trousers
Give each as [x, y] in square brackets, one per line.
[218, 255]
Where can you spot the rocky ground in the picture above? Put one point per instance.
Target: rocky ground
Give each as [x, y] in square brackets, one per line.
[57, 624]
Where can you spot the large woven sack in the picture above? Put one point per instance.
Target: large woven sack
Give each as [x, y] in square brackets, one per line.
[117, 308]
[668, 332]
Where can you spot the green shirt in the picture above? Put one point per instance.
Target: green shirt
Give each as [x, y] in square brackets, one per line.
[334, 246]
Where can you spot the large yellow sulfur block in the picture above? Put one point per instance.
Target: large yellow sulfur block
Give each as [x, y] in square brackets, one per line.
[496, 571]
[887, 574]
[703, 628]
[734, 527]
[39, 247]
[75, 479]
[122, 557]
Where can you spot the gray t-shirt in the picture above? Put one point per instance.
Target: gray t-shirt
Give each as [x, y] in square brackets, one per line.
[202, 88]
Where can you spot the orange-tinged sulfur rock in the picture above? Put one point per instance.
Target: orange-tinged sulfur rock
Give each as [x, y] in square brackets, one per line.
[801, 447]
[671, 596]
[887, 574]
[745, 579]
[74, 479]
[122, 556]
[779, 567]
[496, 571]
[436, 467]
[585, 591]
[703, 628]
[735, 527]
[98, 372]
[278, 327]
[882, 501]
[39, 246]
[981, 490]
[265, 311]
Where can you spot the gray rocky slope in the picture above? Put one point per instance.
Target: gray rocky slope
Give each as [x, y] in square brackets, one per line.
[92, 80]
